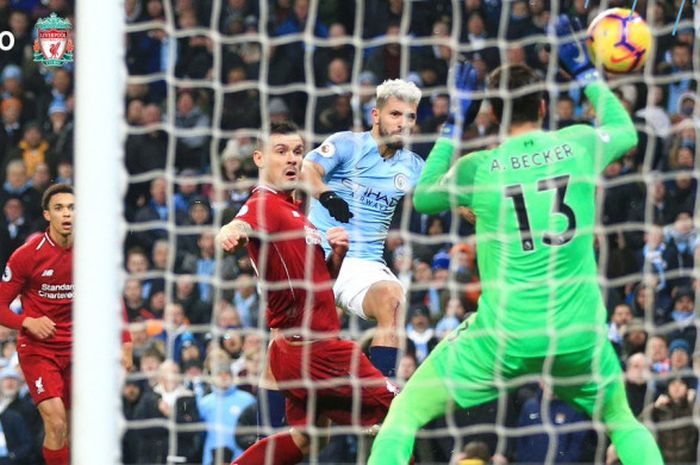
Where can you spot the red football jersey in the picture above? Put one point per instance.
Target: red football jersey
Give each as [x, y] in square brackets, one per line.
[288, 257]
[41, 273]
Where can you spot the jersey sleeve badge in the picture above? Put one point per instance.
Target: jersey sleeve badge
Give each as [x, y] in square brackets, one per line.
[327, 149]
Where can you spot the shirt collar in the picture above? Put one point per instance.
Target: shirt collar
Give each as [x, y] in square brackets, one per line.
[287, 196]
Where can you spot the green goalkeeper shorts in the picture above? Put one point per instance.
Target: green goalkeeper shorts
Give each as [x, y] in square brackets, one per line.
[475, 369]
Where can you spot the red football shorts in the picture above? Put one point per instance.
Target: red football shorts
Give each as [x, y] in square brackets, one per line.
[331, 378]
[47, 373]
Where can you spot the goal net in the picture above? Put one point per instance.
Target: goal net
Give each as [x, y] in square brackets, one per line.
[207, 78]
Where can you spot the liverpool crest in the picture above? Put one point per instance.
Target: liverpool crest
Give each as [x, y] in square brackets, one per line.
[52, 45]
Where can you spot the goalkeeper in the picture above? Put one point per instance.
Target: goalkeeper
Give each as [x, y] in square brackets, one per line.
[541, 311]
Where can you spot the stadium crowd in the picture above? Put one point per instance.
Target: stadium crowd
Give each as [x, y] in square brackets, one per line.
[195, 318]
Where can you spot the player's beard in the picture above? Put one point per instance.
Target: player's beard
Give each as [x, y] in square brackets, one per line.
[388, 139]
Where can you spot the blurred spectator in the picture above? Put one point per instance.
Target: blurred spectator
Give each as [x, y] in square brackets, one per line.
[654, 114]
[337, 117]
[420, 331]
[59, 134]
[296, 22]
[18, 227]
[520, 24]
[385, 61]
[10, 134]
[226, 316]
[60, 91]
[678, 441]
[144, 153]
[234, 14]
[247, 301]
[636, 373]
[137, 265]
[11, 80]
[440, 105]
[156, 209]
[680, 194]
[187, 294]
[191, 150]
[134, 303]
[533, 448]
[453, 316]
[565, 112]
[323, 56]
[32, 148]
[17, 185]
[432, 61]
[221, 410]
[203, 265]
[635, 338]
[169, 399]
[475, 453]
[682, 317]
[194, 52]
[680, 62]
[19, 25]
[621, 316]
[18, 408]
[241, 108]
[131, 395]
[64, 173]
[277, 110]
[659, 355]
[407, 366]
[41, 178]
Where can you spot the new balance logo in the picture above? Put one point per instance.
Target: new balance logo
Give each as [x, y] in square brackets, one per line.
[39, 385]
[47, 273]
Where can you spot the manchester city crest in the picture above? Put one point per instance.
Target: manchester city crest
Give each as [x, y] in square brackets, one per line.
[53, 45]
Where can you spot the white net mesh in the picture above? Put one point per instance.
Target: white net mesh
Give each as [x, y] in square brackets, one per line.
[206, 78]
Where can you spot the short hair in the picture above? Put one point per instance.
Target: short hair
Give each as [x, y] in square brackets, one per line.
[400, 89]
[54, 190]
[283, 127]
[525, 108]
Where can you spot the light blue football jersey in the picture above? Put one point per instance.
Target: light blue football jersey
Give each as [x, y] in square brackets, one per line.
[371, 186]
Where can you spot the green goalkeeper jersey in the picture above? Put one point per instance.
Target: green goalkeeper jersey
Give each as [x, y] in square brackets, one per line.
[534, 200]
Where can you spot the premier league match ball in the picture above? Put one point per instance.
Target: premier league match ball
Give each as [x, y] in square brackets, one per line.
[619, 40]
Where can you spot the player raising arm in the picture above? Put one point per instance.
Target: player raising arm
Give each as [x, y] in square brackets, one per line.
[41, 273]
[357, 180]
[541, 310]
[285, 249]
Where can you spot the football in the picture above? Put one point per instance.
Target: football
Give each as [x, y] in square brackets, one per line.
[619, 40]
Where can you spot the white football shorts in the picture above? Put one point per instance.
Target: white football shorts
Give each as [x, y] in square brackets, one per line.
[355, 278]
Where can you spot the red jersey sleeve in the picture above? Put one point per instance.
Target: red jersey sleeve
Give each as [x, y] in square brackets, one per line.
[14, 278]
[259, 213]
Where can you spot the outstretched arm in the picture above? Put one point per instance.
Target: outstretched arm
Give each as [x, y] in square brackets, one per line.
[312, 173]
[234, 236]
[432, 193]
[617, 132]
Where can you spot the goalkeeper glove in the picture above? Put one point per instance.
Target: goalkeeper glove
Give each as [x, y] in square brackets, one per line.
[337, 207]
[573, 56]
[463, 107]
